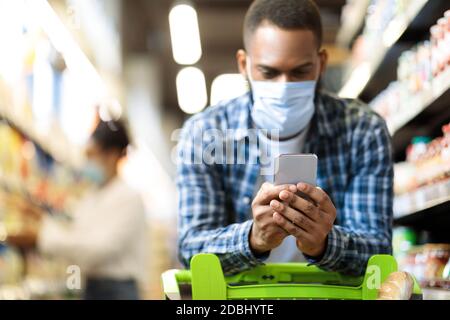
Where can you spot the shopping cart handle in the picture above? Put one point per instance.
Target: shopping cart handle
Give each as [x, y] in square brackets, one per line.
[279, 281]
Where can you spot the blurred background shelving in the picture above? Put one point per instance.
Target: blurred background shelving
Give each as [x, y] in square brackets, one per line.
[400, 66]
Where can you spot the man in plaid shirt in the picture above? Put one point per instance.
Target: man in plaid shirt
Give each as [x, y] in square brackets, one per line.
[228, 208]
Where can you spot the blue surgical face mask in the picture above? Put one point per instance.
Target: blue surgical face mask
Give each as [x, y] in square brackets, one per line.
[284, 106]
[94, 173]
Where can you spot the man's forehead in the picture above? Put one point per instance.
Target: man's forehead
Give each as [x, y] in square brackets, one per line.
[282, 59]
[270, 42]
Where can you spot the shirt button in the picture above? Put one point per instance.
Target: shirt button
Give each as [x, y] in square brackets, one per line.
[246, 200]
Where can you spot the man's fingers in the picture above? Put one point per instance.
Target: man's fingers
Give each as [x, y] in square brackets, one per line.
[317, 195]
[300, 204]
[263, 215]
[297, 218]
[269, 192]
[290, 228]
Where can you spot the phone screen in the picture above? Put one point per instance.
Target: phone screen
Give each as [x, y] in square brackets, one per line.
[296, 168]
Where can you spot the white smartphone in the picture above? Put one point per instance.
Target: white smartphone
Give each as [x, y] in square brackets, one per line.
[296, 168]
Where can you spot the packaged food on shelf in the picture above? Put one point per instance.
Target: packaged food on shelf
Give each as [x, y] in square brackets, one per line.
[423, 74]
[428, 263]
[417, 149]
[29, 176]
[428, 162]
[404, 177]
[438, 55]
[437, 258]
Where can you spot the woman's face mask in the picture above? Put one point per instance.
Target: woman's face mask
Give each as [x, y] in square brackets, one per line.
[94, 172]
[284, 106]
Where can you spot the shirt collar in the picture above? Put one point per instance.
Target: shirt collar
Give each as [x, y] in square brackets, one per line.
[323, 117]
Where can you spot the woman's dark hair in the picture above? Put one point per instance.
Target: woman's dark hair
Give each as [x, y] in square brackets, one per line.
[285, 14]
[111, 135]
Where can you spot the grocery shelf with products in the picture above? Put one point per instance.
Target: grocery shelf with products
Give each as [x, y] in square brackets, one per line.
[429, 263]
[46, 93]
[40, 153]
[401, 66]
[30, 176]
[389, 28]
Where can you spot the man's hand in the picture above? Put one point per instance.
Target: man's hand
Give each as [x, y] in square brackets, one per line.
[309, 221]
[266, 234]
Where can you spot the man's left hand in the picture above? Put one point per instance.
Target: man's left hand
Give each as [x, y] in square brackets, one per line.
[309, 221]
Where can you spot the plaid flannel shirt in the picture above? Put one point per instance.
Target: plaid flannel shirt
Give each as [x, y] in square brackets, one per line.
[355, 169]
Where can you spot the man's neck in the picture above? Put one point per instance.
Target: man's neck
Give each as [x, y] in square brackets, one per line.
[281, 139]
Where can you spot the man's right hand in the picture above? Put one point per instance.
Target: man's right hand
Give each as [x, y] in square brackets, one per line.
[266, 234]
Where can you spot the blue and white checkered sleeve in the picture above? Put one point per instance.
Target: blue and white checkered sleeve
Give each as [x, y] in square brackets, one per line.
[203, 218]
[365, 228]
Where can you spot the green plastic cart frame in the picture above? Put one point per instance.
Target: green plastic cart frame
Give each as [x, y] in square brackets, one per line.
[206, 281]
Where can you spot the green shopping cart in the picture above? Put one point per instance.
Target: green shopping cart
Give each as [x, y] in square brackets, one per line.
[206, 281]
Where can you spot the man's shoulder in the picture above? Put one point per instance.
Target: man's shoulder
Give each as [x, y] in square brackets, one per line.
[351, 112]
[226, 114]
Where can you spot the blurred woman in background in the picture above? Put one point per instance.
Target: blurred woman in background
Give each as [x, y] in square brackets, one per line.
[106, 236]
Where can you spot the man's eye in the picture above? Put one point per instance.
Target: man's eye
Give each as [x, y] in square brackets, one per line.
[269, 74]
[300, 74]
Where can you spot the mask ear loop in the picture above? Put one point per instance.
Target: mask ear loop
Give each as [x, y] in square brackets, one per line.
[249, 78]
[249, 70]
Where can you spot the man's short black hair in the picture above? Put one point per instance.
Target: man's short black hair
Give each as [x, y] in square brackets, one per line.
[111, 135]
[285, 14]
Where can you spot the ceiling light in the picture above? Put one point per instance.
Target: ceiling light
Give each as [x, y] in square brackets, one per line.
[191, 89]
[185, 34]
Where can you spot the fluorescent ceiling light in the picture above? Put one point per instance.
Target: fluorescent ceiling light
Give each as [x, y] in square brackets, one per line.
[185, 34]
[191, 89]
[228, 86]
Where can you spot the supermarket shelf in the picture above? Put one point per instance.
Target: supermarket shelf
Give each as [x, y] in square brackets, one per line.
[55, 145]
[32, 289]
[425, 118]
[363, 74]
[435, 294]
[353, 25]
[421, 102]
[416, 207]
[13, 292]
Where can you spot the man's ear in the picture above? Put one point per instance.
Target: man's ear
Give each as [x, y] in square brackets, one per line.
[241, 57]
[323, 56]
